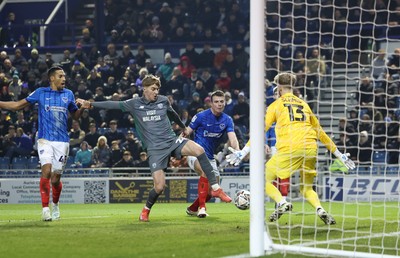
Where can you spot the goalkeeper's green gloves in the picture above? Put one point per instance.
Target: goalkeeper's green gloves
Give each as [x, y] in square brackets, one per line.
[344, 158]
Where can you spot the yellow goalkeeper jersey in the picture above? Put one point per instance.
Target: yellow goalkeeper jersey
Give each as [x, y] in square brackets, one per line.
[296, 125]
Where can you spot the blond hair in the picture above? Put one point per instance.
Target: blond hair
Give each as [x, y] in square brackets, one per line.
[149, 80]
[286, 80]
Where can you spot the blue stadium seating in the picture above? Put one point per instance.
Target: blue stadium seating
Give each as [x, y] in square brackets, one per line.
[4, 163]
[19, 163]
[379, 157]
[33, 162]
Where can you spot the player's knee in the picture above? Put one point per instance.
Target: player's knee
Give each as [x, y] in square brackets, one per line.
[159, 187]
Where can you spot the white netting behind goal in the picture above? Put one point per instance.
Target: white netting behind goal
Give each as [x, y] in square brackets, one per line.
[346, 55]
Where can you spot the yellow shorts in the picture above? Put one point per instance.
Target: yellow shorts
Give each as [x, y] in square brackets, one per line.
[283, 165]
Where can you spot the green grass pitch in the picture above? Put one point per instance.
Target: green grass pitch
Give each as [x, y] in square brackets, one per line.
[113, 230]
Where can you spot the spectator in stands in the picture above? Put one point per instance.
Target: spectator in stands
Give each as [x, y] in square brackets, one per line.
[208, 80]
[93, 56]
[101, 154]
[142, 73]
[223, 82]
[126, 56]
[365, 92]
[241, 56]
[238, 84]
[8, 69]
[132, 144]
[5, 94]
[18, 59]
[174, 103]
[176, 84]
[378, 66]
[94, 80]
[364, 152]
[103, 69]
[49, 59]
[21, 122]
[116, 153]
[22, 145]
[152, 68]
[185, 66]
[365, 124]
[114, 134]
[394, 62]
[141, 56]
[167, 67]
[65, 61]
[111, 87]
[114, 37]
[241, 112]
[125, 162]
[299, 63]
[143, 162]
[85, 120]
[393, 145]
[80, 55]
[229, 104]
[206, 57]
[8, 36]
[195, 104]
[200, 89]
[9, 138]
[315, 70]
[353, 118]
[230, 65]
[111, 54]
[133, 70]
[86, 39]
[77, 135]
[83, 157]
[190, 52]
[90, 26]
[220, 56]
[15, 87]
[185, 117]
[128, 35]
[83, 91]
[92, 136]
[79, 68]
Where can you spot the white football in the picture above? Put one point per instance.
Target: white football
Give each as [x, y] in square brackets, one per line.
[242, 200]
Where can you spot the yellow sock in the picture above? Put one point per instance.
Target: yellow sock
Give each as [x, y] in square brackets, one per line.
[273, 192]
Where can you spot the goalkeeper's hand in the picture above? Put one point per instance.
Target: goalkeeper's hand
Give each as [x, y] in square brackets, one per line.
[235, 157]
[344, 158]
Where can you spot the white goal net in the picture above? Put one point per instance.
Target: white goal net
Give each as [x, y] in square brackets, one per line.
[346, 55]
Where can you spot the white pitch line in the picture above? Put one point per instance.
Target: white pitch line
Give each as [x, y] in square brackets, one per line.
[351, 238]
[63, 218]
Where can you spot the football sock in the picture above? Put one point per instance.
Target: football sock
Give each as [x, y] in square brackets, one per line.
[202, 191]
[153, 196]
[309, 193]
[273, 192]
[195, 204]
[44, 188]
[284, 186]
[208, 170]
[56, 188]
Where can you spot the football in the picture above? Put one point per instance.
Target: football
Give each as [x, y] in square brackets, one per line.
[242, 200]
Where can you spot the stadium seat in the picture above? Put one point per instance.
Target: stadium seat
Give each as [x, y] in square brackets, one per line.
[70, 161]
[102, 130]
[379, 157]
[4, 163]
[392, 170]
[19, 163]
[33, 163]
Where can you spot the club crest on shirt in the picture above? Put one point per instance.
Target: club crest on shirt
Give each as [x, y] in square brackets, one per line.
[160, 105]
[65, 99]
[154, 165]
[222, 126]
[47, 107]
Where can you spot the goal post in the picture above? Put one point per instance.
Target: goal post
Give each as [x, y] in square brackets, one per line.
[365, 202]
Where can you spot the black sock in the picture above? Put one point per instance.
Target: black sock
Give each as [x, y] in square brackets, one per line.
[207, 168]
[153, 196]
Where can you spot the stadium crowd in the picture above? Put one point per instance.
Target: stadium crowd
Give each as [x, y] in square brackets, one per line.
[116, 73]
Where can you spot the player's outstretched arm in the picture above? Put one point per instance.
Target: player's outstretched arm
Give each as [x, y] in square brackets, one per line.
[14, 105]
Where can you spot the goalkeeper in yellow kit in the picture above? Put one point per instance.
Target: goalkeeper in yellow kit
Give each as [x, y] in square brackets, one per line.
[297, 131]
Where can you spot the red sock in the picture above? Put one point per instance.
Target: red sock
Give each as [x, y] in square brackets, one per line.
[203, 191]
[56, 192]
[195, 205]
[44, 187]
[284, 186]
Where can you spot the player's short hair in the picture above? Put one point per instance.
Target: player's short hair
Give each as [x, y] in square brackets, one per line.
[151, 80]
[218, 93]
[287, 80]
[53, 69]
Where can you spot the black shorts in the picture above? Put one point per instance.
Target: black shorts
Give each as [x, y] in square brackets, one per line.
[159, 159]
